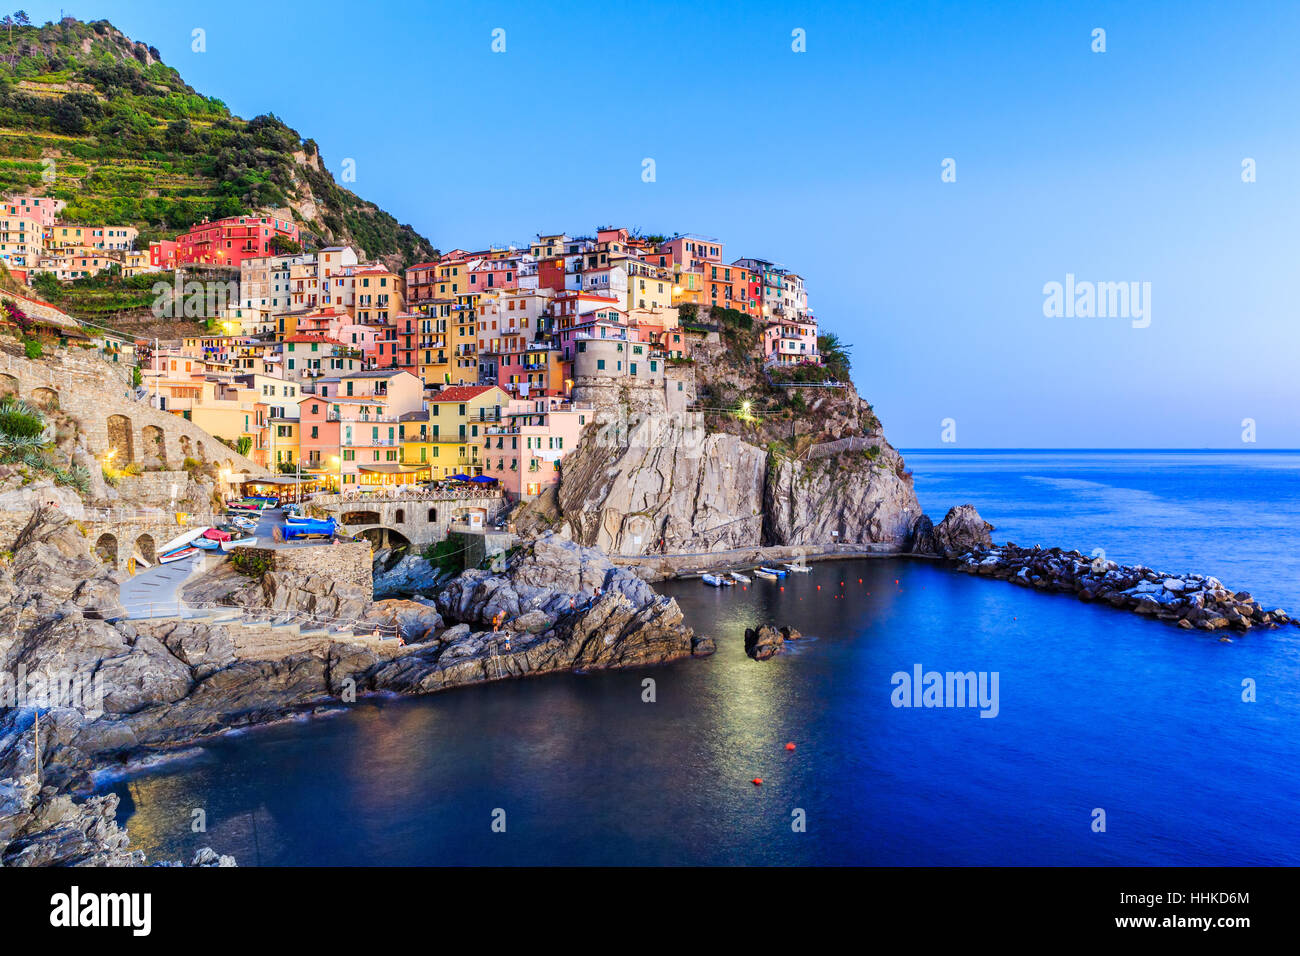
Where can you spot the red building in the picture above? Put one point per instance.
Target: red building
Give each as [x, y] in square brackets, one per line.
[226, 242]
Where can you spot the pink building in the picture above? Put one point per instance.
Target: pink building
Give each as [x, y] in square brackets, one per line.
[791, 342]
[693, 252]
[524, 452]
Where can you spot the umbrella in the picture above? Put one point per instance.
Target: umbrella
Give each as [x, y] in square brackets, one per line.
[459, 477]
[483, 479]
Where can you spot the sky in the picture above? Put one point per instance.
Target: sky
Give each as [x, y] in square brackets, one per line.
[1122, 166]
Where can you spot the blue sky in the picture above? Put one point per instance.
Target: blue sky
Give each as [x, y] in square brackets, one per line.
[1116, 166]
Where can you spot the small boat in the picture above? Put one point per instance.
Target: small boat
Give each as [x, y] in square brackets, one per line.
[177, 554]
[778, 572]
[233, 543]
[297, 519]
[765, 573]
[799, 568]
[182, 540]
[207, 544]
[741, 578]
[716, 580]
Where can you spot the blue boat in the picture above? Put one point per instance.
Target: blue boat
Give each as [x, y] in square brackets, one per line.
[779, 572]
[312, 528]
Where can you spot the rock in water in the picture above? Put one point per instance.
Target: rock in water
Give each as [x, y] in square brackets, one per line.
[962, 529]
[763, 642]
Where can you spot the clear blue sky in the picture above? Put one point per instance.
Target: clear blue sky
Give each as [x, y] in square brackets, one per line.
[1122, 166]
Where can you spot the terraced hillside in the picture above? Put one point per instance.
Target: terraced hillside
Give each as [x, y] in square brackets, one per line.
[92, 117]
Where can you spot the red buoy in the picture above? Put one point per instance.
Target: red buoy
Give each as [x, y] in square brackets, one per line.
[790, 745]
[758, 781]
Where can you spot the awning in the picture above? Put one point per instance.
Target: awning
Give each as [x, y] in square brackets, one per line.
[459, 477]
[484, 479]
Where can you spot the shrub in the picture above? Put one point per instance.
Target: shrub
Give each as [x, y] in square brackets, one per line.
[253, 564]
[33, 348]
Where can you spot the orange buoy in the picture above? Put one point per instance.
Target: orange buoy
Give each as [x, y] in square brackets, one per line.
[790, 745]
[819, 587]
[758, 781]
[859, 580]
[783, 587]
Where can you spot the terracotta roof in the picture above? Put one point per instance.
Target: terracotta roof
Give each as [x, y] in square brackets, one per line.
[460, 393]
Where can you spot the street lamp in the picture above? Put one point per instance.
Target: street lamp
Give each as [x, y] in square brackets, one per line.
[339, 459]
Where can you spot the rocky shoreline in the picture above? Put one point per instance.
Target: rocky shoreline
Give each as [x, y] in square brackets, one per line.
[168, 683]
[1187, 600]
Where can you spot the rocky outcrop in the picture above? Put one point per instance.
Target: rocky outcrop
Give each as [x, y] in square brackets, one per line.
[961, 529]
[844, 497]
[763, 642]
[405, 575]
[153, 685]
[1189, 600]
[662, 484]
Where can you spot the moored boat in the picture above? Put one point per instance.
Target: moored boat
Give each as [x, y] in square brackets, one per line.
[177, 554]
[716, 580]
[799, 568]
[741, 578]
[775, 572]
[765, 573]
[233, 543]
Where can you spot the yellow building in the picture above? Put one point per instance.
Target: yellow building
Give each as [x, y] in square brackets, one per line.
[459, 417]
[687, 286]
[377, 296]
[463, 340]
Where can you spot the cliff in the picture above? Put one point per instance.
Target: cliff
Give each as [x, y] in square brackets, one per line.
[751, 461]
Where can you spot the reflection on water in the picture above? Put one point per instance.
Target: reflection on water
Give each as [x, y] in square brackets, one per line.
[1098, 708]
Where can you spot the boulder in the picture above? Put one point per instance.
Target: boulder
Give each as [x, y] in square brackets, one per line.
[763, 642]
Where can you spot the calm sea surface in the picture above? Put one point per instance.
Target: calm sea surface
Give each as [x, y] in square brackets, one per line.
[1096, 709]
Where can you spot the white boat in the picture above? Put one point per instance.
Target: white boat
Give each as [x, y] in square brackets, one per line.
[775, 572]
[176, 555]
[181, 540]
[741, 578]
[799, 568]
[716, 580]
[139, 559]
[764, 573]
[238, 543]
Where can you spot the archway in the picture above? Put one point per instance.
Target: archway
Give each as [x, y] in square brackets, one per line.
[203, 455]
[433, 514]
[360, 517]
[8, 386]
[106, 549]
[155, 444]
[43, 397]
[401, 516]
[381, 538]
[144, 547]
[186, 447]
[119, 439]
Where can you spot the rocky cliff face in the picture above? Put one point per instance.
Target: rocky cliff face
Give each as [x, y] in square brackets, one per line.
[692, 483]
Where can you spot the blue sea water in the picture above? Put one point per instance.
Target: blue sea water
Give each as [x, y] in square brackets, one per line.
[1097, 710]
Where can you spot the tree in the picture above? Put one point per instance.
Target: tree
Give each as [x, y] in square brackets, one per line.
[283, 246]
[835, 355]
[23, 19]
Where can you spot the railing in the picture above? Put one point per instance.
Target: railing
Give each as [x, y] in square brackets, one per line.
[453, 492]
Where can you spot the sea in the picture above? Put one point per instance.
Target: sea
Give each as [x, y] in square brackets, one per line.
[924, 717]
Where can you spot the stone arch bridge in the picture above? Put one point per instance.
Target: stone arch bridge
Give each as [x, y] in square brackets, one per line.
[417, 519]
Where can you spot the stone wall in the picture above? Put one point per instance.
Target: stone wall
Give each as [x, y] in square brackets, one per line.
[99, 396]
[348, 563]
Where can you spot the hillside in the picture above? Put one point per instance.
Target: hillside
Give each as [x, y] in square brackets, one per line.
[132, 144]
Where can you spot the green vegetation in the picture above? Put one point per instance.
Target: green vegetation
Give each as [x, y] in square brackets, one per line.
[835, 356]
[447, 556]
[93, 118]
[246, 561]
[23, 442]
